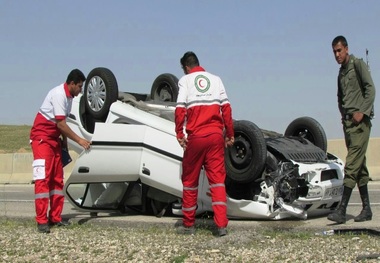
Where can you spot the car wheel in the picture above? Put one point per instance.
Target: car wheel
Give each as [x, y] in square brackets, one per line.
[165, 88]
[245, 160]
[310, 129]
[100, 92]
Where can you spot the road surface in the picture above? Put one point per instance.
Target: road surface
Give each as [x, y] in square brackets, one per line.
[18, 201]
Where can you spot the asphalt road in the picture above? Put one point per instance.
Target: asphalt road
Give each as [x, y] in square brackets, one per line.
[18, 201]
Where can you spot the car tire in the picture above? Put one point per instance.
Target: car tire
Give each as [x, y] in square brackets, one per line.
[310, 129]
[100, 92]
[245, 160]
[165, 88]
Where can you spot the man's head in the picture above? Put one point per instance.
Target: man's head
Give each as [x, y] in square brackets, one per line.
[75, 81]
[189, 61]
[340, 49]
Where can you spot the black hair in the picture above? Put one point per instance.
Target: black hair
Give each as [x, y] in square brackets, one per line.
[340, 39]
[190, 60]
[75, 75]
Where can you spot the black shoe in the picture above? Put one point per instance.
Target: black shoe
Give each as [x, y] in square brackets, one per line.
[60, 223]
[184, 230]
[338, 217]
[222, 232]
[365, 215]
[43, 228]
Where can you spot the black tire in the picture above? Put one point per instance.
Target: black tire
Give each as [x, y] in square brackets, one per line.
[245, 160]
[310, 129]
[165, 88]
[100, 92]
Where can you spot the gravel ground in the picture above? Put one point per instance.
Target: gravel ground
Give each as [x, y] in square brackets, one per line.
[20, 242]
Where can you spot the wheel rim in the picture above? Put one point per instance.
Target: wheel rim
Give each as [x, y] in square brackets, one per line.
[305, 133]
[96, 93]
[163, 93]
[240, 153]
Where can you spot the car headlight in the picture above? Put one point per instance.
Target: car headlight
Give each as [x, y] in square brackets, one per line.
[314, 191]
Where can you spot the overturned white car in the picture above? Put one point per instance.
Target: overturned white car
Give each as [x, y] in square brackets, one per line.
[135, 160]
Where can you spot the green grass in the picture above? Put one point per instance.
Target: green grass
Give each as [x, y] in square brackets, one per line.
[179, 259]
[14, 138]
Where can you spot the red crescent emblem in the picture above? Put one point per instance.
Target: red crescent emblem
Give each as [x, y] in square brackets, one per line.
[200, 83]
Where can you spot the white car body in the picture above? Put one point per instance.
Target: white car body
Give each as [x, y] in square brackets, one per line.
[136, 144]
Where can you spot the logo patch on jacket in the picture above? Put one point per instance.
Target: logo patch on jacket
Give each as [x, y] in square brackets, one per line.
[202, 83]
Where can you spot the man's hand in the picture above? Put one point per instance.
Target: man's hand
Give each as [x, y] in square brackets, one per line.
[67, 132]
[357, 117]
[229, 141]
[183, 142]
[84, 143]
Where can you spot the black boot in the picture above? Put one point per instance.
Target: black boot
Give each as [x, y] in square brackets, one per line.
[366, 213]
[339, 215]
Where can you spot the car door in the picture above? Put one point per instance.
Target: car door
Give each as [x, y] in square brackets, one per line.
[113, 159]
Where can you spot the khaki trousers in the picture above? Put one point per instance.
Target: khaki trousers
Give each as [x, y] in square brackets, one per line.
[356, 138]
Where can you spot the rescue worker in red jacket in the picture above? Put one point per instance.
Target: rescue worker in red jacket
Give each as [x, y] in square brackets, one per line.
[203, 109]
[48, 135]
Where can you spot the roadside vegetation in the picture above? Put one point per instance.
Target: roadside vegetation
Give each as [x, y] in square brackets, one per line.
[20, 242]
[14, 138]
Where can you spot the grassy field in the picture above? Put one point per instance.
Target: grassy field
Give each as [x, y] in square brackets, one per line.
[14, 138]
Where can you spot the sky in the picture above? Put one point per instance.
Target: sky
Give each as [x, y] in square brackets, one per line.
[274, 57]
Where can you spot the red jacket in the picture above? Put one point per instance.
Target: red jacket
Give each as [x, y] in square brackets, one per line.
[202, 105]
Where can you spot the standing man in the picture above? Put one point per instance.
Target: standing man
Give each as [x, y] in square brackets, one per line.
[356, 95]
[48, 126]
[205, 112]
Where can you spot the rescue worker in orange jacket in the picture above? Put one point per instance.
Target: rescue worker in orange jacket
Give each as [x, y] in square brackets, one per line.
[48, 135]
[204, 110]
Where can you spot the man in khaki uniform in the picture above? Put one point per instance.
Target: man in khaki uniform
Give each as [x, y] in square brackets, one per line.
[356, 95]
